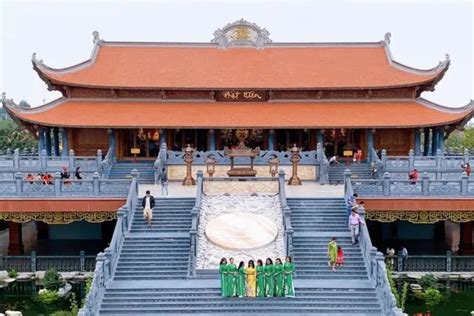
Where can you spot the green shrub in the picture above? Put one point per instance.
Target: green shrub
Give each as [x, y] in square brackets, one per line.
[63, 313]
[12, 273]
[432, 297]
[428, 281]
[52, 280]
[47, 297]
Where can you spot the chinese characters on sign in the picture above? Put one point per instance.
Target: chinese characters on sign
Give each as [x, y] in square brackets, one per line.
[232, 95]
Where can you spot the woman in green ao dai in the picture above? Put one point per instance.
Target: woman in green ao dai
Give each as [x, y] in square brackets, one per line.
[241, 280]
[231, 288]
[278, 272]
[288, 269]
[223, 274]
[260, 279]
[269, 280]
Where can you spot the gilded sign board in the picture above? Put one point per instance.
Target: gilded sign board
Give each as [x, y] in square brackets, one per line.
[242, 95]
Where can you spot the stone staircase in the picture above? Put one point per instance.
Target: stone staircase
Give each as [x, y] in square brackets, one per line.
[161, 251]
[151, 272]
[359, 170]
[122, 170]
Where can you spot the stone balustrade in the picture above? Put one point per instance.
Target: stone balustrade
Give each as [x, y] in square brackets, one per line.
[106, 261]
[387, 186]
[95, 186]
[41, 163]
[374, 261]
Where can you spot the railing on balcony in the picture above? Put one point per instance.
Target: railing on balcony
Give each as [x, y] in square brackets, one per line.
[374, 261]
[387, 186]
[33, 263]
[106, 261]
[41, 163]
[438, 263]
[95, 186]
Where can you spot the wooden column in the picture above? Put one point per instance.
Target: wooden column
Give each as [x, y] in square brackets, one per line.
[312, 139]
[15, 244]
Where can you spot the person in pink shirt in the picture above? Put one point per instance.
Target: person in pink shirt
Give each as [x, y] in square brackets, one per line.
[354, 223]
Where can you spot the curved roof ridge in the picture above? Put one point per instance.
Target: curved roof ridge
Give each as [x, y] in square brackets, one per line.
[465, 108]
[11, 105]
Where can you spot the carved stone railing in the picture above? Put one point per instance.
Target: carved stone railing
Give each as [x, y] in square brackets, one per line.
[374, 261]
[106, 261]
[95, 186]
[463, 186]
[9, 164]
[286, 212]
[437, 167]
[195, 215]
[34, 263]
[199, 157]
[432, 263]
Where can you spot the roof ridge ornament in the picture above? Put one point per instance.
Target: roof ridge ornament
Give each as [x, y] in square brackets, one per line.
[241, 33]
[35, 60]
[96, 40]
[444, 63]
[387, 38]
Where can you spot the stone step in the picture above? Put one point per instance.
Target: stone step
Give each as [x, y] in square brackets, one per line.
[241, 302]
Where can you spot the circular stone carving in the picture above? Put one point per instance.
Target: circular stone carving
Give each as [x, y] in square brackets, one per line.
[241, 231]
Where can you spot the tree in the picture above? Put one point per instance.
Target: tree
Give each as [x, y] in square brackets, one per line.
[458, 140]
[25, 105]
[14, 136]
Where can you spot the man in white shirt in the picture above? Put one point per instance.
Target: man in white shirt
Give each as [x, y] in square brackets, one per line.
[148, 203]
[354, 222]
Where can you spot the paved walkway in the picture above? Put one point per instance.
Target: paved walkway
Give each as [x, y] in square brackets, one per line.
[306, 190]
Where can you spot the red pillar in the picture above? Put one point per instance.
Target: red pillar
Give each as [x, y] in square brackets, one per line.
[15, 245]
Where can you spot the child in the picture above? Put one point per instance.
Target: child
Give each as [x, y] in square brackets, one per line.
[340, 256]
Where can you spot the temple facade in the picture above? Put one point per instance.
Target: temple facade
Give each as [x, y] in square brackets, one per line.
[136, 95]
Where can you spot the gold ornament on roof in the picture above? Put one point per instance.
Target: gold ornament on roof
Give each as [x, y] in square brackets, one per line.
[240, 33]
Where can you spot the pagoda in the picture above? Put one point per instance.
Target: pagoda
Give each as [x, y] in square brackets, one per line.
[347, 96]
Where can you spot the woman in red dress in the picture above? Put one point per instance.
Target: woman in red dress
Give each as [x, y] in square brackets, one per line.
[340, 256]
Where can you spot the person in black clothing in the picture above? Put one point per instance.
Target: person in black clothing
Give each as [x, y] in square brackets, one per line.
[148, 203]
[78, 173]
[65, 175]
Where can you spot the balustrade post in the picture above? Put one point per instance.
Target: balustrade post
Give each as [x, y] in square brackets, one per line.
[411, 159]
[466, 155]
[71, 160]
[347, 177]
[464, 183]
[373, 264]
[425, 183]
[57, 183]
[448, 261]
[108, 264]
[135, 176]
[418, 132]
[98, 158]
[16, 159]
[19, 183]
[95, 183]
[384, 158]
[43, 160]
[122, 217]
[33, 261]
[439, 163]
[386, 184]
[379, 259]
[82, 261]
[100, 261]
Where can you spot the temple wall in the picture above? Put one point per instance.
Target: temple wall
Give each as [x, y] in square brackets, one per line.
[86, 141]
[178, 172]
[395, 141]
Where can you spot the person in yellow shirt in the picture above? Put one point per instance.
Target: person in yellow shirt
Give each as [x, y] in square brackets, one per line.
[251, 273]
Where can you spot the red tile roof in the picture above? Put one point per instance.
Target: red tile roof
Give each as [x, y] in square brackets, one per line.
[115, 113]
[277, 66]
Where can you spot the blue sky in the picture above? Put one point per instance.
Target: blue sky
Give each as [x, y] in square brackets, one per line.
[60, 33]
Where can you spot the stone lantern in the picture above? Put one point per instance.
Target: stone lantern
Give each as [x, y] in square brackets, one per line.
[295, 157]
[188, 159]
[273, 162]
[211, 165]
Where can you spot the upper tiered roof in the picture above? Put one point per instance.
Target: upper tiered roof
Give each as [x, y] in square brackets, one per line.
[241, 55]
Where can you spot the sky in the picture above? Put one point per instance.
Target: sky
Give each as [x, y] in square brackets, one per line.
[60, 32]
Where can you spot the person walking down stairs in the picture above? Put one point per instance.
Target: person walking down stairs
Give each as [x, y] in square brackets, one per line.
[148, 203]
[332, 253]
[354, 225]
